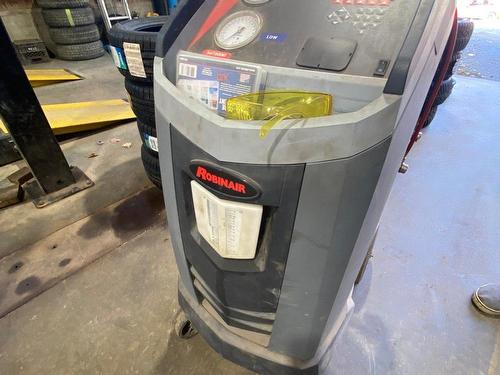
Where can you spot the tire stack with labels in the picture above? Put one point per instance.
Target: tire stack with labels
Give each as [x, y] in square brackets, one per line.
[72, 28]
[465, 30]
[133, 45]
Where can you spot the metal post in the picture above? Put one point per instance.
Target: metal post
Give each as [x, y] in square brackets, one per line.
[30, 130]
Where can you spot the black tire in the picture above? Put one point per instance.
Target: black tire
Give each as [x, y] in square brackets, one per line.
[148, 136]
[451, 68]
[141, 100]
[74, 35]
[68, 17]
[142, 31]
[465, 31]
[151, 164]
[77, 52]
[431, 116]
[62, 4]
[445, 91]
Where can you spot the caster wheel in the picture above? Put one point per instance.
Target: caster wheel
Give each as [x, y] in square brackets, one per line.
[183, 327]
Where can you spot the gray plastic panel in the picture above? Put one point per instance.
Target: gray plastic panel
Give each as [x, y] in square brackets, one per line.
[310, 140]
[379, 30]
[333, 203]
[167, 174]
[233, 347]
[397, 79]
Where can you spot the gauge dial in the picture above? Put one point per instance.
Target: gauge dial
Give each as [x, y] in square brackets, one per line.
[256, 2]
[238, 30]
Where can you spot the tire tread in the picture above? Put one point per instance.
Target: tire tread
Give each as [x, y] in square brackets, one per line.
[59, 18]
[151, 163]
[78, 52]
[62, 4]
[74, 35]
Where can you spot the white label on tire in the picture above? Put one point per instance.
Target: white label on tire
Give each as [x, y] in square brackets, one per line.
[134, 59]
[152, 142]
[118, 57]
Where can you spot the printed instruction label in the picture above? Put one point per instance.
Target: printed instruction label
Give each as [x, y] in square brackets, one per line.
[230, 228]
[214, 81]
[134, 59]
[118, 57]
[151, 142]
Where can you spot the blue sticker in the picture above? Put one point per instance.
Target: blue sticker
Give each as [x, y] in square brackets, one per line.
[273, 37]
[119, 57]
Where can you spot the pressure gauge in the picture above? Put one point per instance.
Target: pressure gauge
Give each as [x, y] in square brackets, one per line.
[238, 30]
[256, 2]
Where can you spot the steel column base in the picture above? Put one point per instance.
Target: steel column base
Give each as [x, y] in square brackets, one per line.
[41, 199]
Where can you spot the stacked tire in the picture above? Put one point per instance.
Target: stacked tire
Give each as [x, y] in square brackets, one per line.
[133, 45]
[465, 31]
[72, 28]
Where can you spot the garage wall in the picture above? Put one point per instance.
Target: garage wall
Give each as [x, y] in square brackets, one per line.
[14, 4]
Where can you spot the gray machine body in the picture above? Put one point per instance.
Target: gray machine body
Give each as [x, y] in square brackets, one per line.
[347, 163]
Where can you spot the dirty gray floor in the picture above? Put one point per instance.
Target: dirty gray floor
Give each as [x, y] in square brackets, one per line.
[122, 177]
[438, 241]
[102, 81]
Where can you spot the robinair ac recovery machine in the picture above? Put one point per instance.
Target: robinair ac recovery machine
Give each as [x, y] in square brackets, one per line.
[272, 214]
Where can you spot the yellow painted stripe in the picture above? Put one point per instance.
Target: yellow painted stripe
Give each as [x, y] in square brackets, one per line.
[42, 77]
[70, 17]
[74, 117]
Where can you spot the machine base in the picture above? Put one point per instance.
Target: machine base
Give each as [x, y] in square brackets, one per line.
[236, 349]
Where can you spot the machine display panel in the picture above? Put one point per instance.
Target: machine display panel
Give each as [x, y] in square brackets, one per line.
[276, 33]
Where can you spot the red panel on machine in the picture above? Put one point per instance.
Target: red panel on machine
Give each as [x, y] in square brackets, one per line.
[219, 11]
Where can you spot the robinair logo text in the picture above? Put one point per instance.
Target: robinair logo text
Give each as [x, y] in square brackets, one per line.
[223, 180]
[205, 175]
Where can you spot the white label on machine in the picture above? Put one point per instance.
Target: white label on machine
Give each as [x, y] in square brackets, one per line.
[188, 70]
[134, 59]
[231, 228]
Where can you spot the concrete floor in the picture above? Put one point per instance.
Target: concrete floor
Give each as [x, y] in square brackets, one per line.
[101, 81]
[481, 58]
[438, 241]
